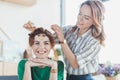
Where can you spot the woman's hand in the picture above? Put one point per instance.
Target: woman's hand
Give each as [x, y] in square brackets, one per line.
[29, 26]
[34, 62]
[41, 62]
[58, 31]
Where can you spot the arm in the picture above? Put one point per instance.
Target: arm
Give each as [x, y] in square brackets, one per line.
[24, 71]
[21, 69]
[69, 55]
[67, 51]
[59, 74]
[51, 63]
[31, 63]
[27, 72]
[60, 70]
[88, 53]
[53, 73]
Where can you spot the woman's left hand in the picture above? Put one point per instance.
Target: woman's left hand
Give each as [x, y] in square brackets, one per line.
[58, 32]
[47, 62]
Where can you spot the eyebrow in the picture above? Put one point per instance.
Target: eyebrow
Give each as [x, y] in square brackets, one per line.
[88, 16]
[44, 41]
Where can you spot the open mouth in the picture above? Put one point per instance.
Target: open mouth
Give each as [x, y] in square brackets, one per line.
[43, 52]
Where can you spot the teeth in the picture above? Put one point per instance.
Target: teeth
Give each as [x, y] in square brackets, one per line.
[41, 52]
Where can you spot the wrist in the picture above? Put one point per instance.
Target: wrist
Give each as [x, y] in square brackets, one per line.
[53, 71]
[62, 42]
[27, 64]
[54, 65]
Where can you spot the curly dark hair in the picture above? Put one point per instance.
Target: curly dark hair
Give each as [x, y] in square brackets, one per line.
[38, 31]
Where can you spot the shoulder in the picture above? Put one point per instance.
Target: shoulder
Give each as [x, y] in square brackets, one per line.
[60, 64]
[93, 40]
[21, 66]
[89, 37]
[22, 62]
[60, 67]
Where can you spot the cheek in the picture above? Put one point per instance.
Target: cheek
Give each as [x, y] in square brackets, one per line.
[88, 24]
[34, 48]
[48, 48]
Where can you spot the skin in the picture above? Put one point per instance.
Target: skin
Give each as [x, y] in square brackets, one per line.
[41, 49]
[84, 21]
[42, 46]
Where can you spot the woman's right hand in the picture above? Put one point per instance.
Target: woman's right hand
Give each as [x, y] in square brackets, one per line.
[41, 62]
[29, 26]
[31, 63]
[58, 32]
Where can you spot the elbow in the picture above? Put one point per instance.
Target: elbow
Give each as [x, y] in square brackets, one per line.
[75, 66]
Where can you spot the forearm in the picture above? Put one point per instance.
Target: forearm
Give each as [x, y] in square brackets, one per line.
[27, 73]
[69, 55]
[53, 76]
[53, 72]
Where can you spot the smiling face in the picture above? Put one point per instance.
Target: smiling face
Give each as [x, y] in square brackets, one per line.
[41, 46]
[84, 20]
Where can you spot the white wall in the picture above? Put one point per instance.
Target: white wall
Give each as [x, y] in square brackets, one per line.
[72, 10]
[13, 16]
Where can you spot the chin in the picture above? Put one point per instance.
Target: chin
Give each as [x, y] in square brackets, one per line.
[43, 57]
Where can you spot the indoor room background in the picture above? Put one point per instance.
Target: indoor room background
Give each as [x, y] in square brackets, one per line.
[14, 38]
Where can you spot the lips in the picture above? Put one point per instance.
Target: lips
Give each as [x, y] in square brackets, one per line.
[41, 52]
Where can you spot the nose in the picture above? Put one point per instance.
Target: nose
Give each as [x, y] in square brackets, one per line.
[41, 46]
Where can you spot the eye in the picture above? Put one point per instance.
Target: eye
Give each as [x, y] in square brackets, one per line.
[46, 43]
[85, 17]
[36, 43]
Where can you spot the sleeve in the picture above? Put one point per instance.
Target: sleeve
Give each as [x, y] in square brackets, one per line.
[21, 65]
[60, 70]
[88, 53]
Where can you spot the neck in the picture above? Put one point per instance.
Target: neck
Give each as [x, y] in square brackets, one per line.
[82, 31]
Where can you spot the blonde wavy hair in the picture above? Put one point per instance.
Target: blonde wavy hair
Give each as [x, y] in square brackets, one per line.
[98, 11]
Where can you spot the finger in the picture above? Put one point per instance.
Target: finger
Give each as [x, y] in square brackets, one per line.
[54, 26]
[36, 60]
[30, 23]
[27, 26]
[30, 59]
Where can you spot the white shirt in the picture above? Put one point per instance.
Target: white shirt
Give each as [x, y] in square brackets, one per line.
[85, 48]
